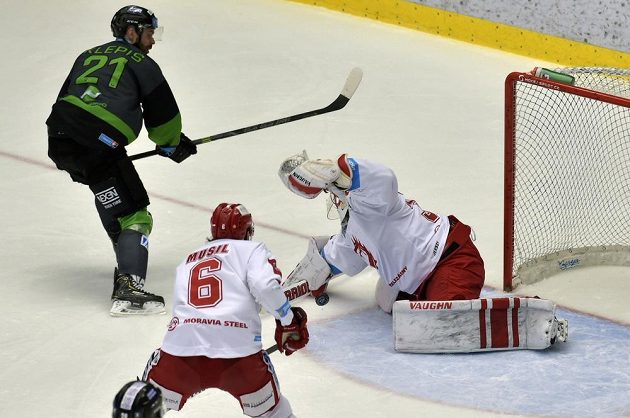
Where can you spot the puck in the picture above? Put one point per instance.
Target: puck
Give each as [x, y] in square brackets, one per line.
[322, 299]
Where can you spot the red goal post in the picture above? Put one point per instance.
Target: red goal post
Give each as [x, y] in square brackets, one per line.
[567, 173]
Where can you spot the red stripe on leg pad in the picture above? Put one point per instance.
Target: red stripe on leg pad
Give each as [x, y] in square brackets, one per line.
[483, 342]
[500, 303]
[515, 339]
[499, 322]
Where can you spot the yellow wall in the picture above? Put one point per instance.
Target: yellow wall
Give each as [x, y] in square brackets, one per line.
[481, 32]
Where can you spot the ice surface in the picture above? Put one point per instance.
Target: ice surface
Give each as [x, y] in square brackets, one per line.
[429, 107]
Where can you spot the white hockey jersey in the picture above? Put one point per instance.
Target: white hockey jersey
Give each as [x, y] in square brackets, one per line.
[219, 289]
[386, 231]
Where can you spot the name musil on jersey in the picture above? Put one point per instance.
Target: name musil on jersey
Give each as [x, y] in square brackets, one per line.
[208, 252]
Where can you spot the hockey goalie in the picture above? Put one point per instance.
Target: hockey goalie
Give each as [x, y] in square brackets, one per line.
[430, 271]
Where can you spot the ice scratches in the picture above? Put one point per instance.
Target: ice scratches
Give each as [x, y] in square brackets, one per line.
[587, 376]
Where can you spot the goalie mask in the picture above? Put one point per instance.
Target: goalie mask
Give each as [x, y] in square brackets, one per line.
[138, 400]
[231, 221]
[337, 200]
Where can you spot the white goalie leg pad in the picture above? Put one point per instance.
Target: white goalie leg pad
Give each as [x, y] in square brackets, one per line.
[461, 326]
[313, 268]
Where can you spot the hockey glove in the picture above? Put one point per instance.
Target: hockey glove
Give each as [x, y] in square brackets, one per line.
[183, 150]
[294, 336]
[311, 177]
[308, 178]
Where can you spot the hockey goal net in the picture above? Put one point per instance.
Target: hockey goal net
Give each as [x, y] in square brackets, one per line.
[567, 173]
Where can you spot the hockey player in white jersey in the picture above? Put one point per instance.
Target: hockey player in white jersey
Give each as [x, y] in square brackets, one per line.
[419, 255]
[214, 337]
[431, 273]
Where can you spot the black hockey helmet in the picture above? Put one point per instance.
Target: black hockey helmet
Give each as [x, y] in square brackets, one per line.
[136, 16]
[138, 399]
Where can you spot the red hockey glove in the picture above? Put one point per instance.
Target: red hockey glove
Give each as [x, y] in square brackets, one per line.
[294, 336]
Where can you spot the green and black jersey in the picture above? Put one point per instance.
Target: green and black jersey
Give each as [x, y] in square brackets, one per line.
[110, 90]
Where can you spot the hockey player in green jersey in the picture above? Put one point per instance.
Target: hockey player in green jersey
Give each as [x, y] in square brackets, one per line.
[110, 91]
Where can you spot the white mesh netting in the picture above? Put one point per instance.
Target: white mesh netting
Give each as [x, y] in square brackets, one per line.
[571, 174]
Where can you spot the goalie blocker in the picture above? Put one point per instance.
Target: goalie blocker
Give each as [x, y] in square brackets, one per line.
[462, 326]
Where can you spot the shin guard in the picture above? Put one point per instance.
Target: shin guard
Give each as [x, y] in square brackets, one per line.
[133, 253]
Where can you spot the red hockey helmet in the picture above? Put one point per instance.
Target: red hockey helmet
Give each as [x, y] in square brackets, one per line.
[231, 220]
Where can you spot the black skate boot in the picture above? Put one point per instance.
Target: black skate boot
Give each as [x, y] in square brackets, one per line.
[128, 298]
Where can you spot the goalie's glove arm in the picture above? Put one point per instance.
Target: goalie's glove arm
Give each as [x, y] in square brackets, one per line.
[309, 178]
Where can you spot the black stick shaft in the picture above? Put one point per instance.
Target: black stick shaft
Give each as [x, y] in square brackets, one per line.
[339, 103]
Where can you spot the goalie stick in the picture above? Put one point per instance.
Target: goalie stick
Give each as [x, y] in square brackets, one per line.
[295, 291]
[299, 289]
[352, 82]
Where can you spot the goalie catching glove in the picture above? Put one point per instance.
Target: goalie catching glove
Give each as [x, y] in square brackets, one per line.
[294, 336]
[308, 178]
[179, 153]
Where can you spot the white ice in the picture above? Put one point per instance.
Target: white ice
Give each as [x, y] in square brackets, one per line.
[429, 107]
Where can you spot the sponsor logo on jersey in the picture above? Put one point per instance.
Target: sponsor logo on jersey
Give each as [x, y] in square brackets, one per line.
[90, 94]
[398, 276]
[212, 321]
[108, 141]
[435, 248]
[173, 324]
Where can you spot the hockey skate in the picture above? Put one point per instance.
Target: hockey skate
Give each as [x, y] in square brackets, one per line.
[559, 330]
[128, 298]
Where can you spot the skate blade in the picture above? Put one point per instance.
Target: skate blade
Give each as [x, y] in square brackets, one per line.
[563, 330]
[124, 308]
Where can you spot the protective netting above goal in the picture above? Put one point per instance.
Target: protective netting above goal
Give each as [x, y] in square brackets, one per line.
[567, 178]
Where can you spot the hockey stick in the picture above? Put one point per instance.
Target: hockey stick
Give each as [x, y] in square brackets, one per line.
[295, 291]
[352, 82]
[299, 289]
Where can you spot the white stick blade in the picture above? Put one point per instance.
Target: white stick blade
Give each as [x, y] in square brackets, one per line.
[352, 82]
